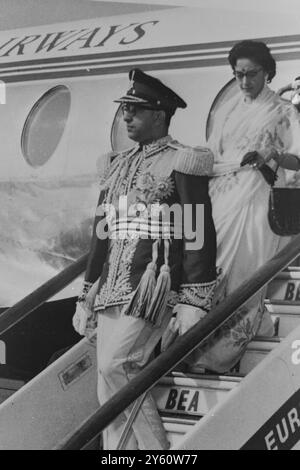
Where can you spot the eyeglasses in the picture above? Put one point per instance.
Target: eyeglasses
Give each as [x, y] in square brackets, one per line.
[132, 109]
[251, 74]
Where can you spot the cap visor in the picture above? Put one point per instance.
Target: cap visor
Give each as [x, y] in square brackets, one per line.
[131, 99]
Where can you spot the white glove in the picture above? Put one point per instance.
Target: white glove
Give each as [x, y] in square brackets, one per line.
[84, 320]
[91, 295]
[186, 317]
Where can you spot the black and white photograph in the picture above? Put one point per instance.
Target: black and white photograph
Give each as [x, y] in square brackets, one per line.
[149, 227]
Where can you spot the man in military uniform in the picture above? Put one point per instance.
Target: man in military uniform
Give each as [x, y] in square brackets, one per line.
[147, 264]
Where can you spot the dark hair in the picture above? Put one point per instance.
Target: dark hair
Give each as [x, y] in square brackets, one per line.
[256, 51]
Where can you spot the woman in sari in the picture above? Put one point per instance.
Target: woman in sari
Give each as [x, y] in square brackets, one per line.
[253, 131]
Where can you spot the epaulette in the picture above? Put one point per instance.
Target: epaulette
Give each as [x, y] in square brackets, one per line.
[192, 160]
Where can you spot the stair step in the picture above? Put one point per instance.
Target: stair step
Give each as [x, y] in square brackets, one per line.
[283, 306]
[256, 351]
[285, 323]
[183, 399]
[175, 394]
[291, 268]
[177, 427]
[292, 272]
[192, 395]
[285, 287]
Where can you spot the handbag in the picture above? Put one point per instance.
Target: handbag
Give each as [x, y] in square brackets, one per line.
[284, 210]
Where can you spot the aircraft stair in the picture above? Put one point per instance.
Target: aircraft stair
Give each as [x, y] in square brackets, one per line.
[46, 411]
[284, 305]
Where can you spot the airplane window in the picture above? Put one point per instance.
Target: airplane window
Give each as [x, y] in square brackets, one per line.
[119, 138]
[226, 93]
[45, 125]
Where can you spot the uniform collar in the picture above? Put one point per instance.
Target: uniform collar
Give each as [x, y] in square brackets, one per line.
[156, 144]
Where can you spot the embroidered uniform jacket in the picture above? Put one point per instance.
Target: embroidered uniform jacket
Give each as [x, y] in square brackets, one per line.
[148, 181]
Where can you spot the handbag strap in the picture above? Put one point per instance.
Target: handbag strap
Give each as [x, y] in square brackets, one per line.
[269, 175]
[275, 175]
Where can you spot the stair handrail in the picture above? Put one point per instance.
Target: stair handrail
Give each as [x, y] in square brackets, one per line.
[39, 296]
[183, 346]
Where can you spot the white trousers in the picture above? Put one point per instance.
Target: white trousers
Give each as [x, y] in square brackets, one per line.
[124, 346]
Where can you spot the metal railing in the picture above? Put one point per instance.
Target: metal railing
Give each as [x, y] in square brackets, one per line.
[183, 346]
[31, 302]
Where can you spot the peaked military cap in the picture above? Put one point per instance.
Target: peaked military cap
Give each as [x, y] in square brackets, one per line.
[150, 92]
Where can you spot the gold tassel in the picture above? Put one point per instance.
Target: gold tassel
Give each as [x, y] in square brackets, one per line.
[161, 291]
[142, 297]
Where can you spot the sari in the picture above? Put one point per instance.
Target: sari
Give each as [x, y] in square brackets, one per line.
[240, 198]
